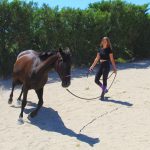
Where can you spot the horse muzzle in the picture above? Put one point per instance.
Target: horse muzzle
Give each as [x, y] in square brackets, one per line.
[65, 84]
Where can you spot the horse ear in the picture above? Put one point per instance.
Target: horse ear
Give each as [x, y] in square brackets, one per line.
[60, 49]
[67, 50]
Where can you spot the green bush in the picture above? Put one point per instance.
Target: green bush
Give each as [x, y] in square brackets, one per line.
[26, 26]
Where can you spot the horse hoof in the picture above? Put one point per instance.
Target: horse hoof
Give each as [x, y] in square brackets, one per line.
[18, 103]
[10, 101]
[32, 114]
[20, 121]
[29, 117]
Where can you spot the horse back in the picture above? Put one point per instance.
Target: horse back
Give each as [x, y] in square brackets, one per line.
[26, 66]
[25, 63]
[26, 52]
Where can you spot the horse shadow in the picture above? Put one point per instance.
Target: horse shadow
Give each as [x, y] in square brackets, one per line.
[106, 99]
[48, 119]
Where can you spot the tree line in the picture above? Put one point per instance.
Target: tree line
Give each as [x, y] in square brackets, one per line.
[26, 26]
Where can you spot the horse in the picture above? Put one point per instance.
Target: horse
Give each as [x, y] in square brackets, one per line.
[31, 71]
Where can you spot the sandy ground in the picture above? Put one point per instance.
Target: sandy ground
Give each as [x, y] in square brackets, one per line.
[122, 122]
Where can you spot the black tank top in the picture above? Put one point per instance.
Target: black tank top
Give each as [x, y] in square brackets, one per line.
[104, 53]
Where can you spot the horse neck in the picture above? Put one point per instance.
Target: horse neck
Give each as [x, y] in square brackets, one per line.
[46, 65]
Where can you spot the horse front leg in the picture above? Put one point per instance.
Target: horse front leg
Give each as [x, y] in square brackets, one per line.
[24, 102]
[40, 103]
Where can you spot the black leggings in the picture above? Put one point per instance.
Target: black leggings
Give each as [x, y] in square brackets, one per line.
[103, 69]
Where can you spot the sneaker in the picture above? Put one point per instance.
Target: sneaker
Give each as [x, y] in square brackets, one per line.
[102, 96]
[104, 88]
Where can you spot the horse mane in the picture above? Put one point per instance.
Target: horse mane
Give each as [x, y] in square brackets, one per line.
[44, 55]
[65, 54]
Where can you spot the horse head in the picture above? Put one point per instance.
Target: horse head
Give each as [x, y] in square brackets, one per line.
[63, 66]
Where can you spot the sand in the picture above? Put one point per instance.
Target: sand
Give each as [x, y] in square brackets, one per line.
[65, 122]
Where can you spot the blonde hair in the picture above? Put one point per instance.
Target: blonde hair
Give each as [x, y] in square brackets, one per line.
[108, 42]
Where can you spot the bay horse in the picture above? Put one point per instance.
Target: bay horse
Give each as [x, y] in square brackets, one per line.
[31, 71]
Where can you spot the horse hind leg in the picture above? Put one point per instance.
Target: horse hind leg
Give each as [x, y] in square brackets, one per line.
[11, 94]
[40, 103]
[24, 102]
[19, 98]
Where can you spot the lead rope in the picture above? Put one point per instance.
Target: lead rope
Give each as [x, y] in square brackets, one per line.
[90, 99]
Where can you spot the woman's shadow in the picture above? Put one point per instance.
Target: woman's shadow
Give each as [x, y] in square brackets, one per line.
[49, 120]
[125, 103]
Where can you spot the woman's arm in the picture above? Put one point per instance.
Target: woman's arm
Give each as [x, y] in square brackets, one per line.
[113, 62]
[95, 61]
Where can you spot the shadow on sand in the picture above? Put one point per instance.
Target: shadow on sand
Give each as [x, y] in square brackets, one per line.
[49, 120]
[141, 64]
[106, 99]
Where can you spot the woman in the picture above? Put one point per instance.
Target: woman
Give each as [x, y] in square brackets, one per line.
[104, 55]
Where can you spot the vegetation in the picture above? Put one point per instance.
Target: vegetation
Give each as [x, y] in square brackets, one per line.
[26, 26]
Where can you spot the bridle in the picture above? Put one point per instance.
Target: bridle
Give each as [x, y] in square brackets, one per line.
[58, 65]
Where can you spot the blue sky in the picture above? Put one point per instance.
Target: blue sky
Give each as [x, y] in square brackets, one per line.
[78, 3]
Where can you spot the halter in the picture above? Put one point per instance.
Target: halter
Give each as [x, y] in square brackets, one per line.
[57, 65]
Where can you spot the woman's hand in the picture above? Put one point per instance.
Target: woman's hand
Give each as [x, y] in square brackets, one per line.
[113, 63]
[91, 68]
[95, 62]
[115, 70]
